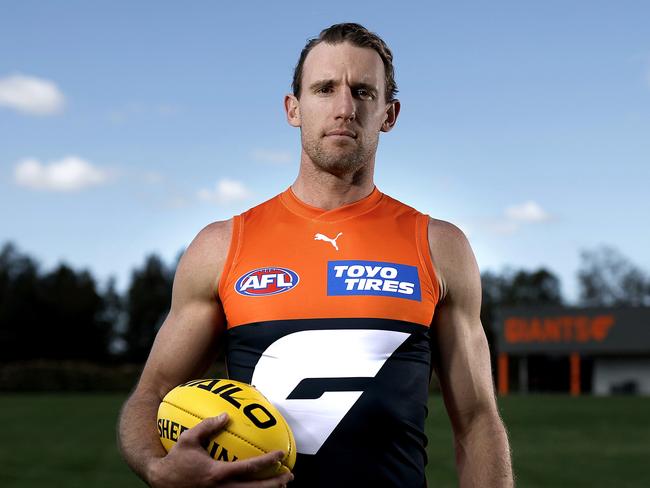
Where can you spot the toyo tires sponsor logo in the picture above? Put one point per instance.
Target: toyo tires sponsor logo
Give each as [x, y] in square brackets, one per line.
[353, 277]
[266, 281]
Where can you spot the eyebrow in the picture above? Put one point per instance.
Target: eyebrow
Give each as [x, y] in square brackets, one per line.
[330, 82]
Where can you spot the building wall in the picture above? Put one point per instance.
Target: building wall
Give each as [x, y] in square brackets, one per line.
[621, 375]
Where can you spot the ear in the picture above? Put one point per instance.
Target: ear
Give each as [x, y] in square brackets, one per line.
[392, 111]
[292, 109]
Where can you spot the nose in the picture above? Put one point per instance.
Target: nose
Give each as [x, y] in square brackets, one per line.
[345, 106]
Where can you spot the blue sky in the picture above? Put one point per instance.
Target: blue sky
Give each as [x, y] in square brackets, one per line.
[125, 127]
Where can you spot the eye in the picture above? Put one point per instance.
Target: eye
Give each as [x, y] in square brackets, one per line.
[324, 89]
[365, 94]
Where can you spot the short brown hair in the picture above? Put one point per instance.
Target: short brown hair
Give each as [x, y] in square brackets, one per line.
[357, 35]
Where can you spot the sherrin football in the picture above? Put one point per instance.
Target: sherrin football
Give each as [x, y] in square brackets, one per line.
[256, 427]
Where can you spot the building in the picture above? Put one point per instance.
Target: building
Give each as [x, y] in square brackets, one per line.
[602, 351]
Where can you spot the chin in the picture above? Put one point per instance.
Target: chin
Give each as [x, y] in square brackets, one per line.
[340, 166]
[338, 158]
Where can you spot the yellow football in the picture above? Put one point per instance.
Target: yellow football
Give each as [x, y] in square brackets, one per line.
[255, 427]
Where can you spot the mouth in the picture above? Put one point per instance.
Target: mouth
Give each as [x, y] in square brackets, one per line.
[341, 133]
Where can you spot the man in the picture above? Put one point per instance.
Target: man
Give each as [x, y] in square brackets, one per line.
[336, 301]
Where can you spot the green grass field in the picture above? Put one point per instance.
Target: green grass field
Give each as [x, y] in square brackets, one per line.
[557, 441]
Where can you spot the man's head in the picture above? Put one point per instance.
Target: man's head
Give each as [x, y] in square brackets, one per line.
[358, 36]
[343, 97]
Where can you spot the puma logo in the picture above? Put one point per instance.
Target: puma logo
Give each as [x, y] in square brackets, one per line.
[321, 237]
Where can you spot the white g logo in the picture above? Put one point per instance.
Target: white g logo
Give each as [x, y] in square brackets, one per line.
[303, 374]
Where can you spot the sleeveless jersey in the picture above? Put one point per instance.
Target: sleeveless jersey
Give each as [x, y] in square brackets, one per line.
[328, 315]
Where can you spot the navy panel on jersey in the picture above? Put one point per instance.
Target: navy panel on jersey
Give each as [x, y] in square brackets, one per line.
[376, 416]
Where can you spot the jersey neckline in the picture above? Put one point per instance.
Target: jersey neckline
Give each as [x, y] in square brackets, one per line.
[297, 206]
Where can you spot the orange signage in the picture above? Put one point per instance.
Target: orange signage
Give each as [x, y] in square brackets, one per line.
[568, 328]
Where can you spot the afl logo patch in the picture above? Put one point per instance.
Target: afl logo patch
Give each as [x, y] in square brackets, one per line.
[266, 281]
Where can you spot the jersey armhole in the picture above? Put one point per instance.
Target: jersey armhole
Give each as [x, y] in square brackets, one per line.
[422, 230]
[233, 253]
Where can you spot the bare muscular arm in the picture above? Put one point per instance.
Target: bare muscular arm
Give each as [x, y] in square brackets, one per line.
[462, 363]
[184, 348]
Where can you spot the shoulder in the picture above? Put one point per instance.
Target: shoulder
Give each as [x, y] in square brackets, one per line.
[213, 238]
[398, 205]
[452, 257]
[447, 238]
[200, 266]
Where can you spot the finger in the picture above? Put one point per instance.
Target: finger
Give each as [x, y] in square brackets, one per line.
[248, 467]
[202, 432]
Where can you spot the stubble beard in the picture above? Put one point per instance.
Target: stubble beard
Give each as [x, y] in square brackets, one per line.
[339, 160]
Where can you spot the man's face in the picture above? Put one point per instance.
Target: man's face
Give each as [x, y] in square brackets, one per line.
[342, 107]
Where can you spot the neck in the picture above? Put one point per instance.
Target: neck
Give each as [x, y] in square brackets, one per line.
[321, 189]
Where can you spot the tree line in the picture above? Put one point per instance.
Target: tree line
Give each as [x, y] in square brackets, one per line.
[65, 314]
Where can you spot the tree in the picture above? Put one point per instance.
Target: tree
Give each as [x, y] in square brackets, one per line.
[517, 288]
[148, 301]
[512, 289]
[71, 324]
[607, 278]
[114, 314]
[521, 288]
[57, 315]
[19, 314]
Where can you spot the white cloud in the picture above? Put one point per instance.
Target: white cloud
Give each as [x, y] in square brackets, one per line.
[514, 218]
[30, 95]
[503, 226]
[272, 156]
[68, 174]
[225, 191]
[527, 212]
